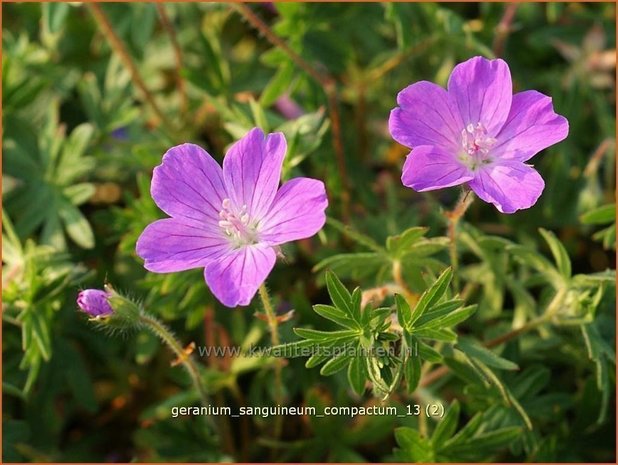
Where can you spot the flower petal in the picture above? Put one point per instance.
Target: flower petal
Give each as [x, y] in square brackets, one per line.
[510, 185]
[252, 169]
[178, 244]
[296, 213]
[188, 184]
[425, 116]
[482, 90]
[428, 168]
[532, 125]
[236, 277]
[94, 302]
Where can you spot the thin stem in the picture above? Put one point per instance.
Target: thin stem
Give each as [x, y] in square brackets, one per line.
[465, 200]
[117, 45]
[180, 83]
[516, 332]
[504, 28]
[596, 157]
[410, 296]
[329, 85]
[166, 336]
[273, 325]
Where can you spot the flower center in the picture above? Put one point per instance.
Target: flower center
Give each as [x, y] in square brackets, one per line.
[236, 225]
[476, 144]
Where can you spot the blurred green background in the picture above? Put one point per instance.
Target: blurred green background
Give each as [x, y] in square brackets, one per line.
[93, 95]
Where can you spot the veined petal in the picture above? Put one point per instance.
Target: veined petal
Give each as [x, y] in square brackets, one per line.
[532, 125]
[94, 302]
[296, 213]
[509, 184]
[425, 116]
[428, 168]
[178, 244]
[482, 90]
[188, 184]
[252, 170]
[235, 278]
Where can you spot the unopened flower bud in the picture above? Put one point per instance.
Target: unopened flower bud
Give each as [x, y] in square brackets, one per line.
[94, 302]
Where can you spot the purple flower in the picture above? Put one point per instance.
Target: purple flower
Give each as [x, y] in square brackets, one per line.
[94, 302]
[476, 132]
[229, 221]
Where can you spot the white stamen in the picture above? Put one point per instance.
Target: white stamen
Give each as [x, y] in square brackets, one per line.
[476, 144]
[236, 224]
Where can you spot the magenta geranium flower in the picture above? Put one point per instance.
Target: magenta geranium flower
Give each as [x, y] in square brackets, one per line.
[229, 221]
[476, 132]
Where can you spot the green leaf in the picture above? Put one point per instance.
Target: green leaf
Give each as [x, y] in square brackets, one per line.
[604, 214]
[432, 295]
[72, 163]
[563, 262]
[467, 431]
[446, 427]
[412, 372]
[414, 448]
[429, 353]
[401, 15]
[357, 375]
[40, 332]
[452, 319]
[424, 248]
[340, 296]
[317, 335]
[315, 360]
[146, 16]
[486, 443]
[477, 351]
[278, 85]
[79, 193]
[335, 315]
[439, 311]
[336, 364]
[77, 225]
[442, 334]
[404, 313]
[520, 409]
[531, 382]
[534, 260]
[54, 15]
[374, 374]
[400, 244]
[293, 349]
[259, 116]
[599, 352]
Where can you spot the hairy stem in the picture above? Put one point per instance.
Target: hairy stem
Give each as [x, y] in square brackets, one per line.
[411, 297]
[167, 337]
[108, 31]
[329, 85]
[453, 216]
[273, 325]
